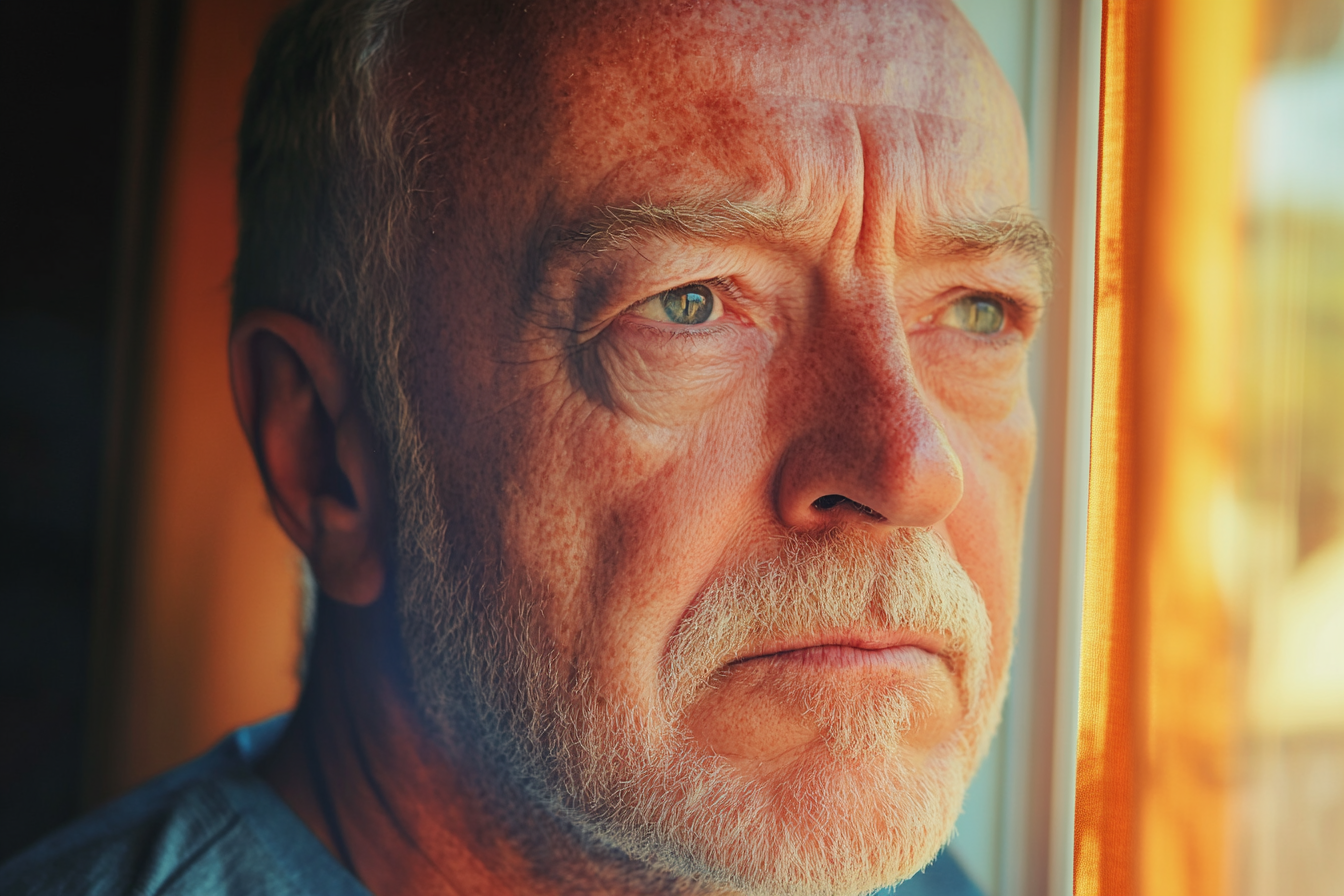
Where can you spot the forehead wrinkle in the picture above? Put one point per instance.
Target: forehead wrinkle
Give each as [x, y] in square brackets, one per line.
[914, 109]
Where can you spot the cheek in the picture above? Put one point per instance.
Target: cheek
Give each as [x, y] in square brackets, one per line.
[620, 521]
[671, 381]
[986, 526]
[976, 381]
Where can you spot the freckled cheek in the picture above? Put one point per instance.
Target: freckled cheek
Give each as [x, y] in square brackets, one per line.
[979, 383]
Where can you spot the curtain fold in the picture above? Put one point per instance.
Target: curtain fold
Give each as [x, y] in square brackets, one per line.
[1156, 719]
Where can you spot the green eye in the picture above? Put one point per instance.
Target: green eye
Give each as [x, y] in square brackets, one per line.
[693, 304]
[982, 315]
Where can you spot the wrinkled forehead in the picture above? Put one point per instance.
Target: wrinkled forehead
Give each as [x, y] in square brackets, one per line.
[917, 55]
[601, 97]
[702, 72]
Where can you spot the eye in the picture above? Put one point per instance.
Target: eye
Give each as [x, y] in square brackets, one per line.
[693, 304]
[978, 314]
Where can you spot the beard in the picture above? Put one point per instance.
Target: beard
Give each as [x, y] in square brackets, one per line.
[850, 813]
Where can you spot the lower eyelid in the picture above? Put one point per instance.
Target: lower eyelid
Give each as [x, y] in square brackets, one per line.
[670, 329]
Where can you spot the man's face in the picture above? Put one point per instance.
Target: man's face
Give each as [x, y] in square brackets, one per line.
[719, 362]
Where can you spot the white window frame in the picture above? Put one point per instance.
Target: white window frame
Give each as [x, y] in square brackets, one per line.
[1016, 837]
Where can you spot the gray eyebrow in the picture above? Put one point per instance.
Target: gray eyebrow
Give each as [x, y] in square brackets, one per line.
[618, 227]
[1013, 229]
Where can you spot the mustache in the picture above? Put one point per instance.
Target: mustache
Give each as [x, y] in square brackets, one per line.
[836, 580]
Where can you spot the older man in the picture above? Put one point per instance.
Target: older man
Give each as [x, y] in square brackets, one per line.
[644, 383]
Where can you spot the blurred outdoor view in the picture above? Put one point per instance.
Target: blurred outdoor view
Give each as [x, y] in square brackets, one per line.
[1279, 534]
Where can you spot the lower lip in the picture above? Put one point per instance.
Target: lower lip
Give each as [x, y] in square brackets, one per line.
[834, 656]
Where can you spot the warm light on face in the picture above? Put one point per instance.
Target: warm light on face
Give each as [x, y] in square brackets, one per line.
[867, 802]
[731, 499]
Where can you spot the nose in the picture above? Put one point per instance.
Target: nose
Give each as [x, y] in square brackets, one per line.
[867, 449]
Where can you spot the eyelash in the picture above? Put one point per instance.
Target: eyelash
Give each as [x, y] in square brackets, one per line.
[1020, 312]
[722, 288]
[1016, 312]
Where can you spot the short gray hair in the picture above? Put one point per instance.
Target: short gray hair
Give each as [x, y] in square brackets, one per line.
[328, 192]
[325, 180]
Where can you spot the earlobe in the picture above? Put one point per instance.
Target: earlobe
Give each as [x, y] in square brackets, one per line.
[315, 450]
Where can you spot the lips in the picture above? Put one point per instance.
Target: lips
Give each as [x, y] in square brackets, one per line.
[851, 650]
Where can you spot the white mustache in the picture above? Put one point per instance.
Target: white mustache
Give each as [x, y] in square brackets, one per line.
[832, 581]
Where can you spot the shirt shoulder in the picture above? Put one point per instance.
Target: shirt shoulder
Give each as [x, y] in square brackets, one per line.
[209, 827]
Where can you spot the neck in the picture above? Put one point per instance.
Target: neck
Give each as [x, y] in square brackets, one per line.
[405, 811]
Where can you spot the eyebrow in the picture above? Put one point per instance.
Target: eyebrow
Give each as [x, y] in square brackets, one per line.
[1014, 229]
[618, 227]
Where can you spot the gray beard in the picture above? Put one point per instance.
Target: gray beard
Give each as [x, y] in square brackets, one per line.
[847, 816]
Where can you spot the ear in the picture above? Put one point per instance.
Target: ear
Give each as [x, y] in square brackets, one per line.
[315, 449]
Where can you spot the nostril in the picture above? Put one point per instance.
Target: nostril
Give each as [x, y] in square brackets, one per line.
[830, 502]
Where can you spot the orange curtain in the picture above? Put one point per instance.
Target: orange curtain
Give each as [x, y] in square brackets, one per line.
[1156, 728]
[213, 604]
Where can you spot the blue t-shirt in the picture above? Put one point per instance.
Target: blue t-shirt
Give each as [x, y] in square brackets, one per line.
[214, 827]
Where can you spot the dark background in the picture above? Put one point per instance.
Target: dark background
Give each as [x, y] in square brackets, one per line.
[67, 94]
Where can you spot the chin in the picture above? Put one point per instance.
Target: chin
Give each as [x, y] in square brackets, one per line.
[827, 822]
[867, 803]
[855, 810]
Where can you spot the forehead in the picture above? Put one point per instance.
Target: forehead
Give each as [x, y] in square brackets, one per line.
[609, 102]
[734, 86]
[919, 55]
